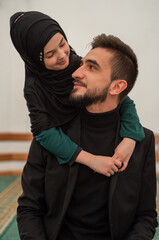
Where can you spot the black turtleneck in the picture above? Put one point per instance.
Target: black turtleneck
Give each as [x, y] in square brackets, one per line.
[99, 131]
[87, 215]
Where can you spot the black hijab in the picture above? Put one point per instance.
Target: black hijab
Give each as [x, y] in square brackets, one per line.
[46, 91]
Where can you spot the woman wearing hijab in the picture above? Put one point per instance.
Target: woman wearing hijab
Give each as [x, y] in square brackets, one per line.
[48, 85]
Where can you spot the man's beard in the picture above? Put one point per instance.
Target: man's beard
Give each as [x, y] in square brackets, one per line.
[89, 98]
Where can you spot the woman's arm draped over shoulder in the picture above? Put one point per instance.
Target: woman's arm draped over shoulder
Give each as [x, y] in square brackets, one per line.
[55, 141]
[131, 131]
[130, 123]
[58, 143]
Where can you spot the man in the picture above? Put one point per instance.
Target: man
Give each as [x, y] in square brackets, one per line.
[73, 202]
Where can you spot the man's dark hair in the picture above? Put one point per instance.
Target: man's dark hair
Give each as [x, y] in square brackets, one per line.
[123, 62]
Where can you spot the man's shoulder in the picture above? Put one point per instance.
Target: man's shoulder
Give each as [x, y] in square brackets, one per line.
[149, 138]
[148, 133]
[36, 149]
[146, 147]
[35, 144]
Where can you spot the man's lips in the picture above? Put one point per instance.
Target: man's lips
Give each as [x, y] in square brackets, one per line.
[78, 83]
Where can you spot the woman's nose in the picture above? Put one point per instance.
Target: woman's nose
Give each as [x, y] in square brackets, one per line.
[61, 54]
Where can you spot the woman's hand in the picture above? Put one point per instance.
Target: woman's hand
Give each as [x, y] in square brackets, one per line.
[100, 164]
[124, 151]
[105, 165]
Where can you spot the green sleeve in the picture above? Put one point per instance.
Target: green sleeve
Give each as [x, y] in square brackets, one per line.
[130, 123]
[58, 143]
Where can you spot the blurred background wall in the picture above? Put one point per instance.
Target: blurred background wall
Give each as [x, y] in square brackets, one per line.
[136, 22]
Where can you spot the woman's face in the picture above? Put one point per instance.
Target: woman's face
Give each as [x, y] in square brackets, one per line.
[56, 53]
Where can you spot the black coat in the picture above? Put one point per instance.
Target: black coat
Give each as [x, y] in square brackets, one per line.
[48, 187]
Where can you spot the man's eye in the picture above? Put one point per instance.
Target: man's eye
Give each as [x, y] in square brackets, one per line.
[91, 67]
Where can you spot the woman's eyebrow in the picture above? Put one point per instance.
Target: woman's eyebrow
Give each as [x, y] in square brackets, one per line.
[61, 40]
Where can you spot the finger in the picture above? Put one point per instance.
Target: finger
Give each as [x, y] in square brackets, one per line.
[115, 156]
[107, 174]
[115, 168]
[111, 172]
[118, 164]
[123, 167]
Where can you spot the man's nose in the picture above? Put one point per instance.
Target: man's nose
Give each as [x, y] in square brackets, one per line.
[78, 74]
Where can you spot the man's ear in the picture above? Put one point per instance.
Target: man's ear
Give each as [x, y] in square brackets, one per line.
[117, 86]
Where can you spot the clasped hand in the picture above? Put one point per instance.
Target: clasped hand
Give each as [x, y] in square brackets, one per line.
[119, 161]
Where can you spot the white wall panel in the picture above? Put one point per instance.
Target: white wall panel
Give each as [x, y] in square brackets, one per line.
[135, 21]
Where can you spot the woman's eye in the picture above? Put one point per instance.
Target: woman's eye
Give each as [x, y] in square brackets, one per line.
[62, 44]
[50, 55]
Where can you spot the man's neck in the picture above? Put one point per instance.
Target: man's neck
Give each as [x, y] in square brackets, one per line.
[102, 107]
